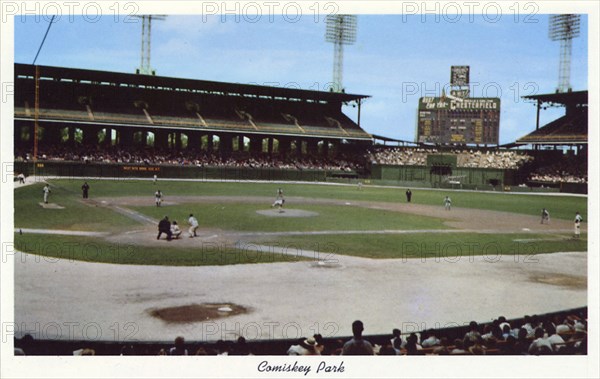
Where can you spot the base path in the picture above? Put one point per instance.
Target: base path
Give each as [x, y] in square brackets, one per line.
[80, 233]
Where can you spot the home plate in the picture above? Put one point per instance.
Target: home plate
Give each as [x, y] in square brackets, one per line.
[526, 229]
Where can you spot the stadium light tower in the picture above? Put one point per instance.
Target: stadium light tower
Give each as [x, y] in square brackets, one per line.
[563, 28]
[341, 30]
[145, 68]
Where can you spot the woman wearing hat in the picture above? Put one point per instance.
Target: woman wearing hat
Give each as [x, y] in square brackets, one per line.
[306, 346]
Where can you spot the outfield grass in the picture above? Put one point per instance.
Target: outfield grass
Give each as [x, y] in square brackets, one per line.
[89, 249]
[76, 215]
[243, 217]
[430, 245]
[560, 207]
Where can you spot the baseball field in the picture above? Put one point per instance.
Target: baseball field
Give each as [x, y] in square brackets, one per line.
[374, 222]
[335, 247]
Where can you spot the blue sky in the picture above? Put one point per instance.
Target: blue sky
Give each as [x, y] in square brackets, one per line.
[395, 60]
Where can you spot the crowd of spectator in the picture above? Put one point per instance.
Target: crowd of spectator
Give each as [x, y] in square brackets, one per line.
[559, 334]
[509, 160]
[400, 156]
[562, 171]
[558, 177]
[464, 158]
[190, 158]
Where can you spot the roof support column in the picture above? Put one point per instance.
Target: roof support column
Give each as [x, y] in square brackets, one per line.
[90, 135]
[255, 144]
[270, 146]
[161, 139]
[51, 135]
[325, 150]
[312, 147]
[359, 101]
[107, 136]
[225, 144]
[72, 135]
[209, 143]
[284, 146]
[194, 140]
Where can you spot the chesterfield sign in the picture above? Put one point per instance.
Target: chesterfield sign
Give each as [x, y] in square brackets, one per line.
[434, 103]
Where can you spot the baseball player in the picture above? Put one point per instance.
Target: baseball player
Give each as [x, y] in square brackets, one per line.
[175, 230]
[578, 220]
[279, 200]
[158, 198]
[85, 188]
[193, 225]
[545, 216]
[46, 190]
[447, 203]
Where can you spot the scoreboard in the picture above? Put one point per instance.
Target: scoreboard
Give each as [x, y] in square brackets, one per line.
[462, 121]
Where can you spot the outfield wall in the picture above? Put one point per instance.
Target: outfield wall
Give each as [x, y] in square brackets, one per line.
[403, 176]
[424, 176]
[127, 170]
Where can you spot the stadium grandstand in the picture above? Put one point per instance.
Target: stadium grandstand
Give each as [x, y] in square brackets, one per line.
[569, 130]
[212, 122]
[560, 147]
[190, 128]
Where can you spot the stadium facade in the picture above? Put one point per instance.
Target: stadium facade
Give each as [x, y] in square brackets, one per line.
[59, 108]
[177, 113]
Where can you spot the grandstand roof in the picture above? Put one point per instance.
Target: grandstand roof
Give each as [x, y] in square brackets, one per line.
[193, 85]
[564, 98]
[571, 129]
[389, 139]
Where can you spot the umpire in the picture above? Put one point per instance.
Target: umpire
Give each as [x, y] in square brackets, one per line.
[164, 226]
[85, 188]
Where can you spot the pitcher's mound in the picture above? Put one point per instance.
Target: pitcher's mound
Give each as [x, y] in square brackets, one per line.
[197, 312]
[51, 206]
[286, 213]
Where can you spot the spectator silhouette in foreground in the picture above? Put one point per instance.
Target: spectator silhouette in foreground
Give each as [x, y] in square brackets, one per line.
[431, 339]
[396, 340]
[241, 347]
[357, 345]
[412, 345]
[306, 346]
[473, 332]
[179, 348]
